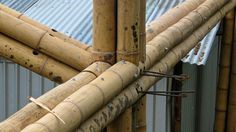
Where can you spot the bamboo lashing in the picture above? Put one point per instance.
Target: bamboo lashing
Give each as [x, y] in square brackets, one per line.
[44, 42]
[129, 96]
[31, 112]
[43, 27]
[224, 73]
[46, 108]
[39, 63]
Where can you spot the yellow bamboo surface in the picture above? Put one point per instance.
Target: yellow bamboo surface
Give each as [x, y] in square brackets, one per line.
[31, 112]
[41, 26]
[88, 99]
[231, 115]
[224, 73]
[104, 30]
[129, 96]
[44, 42]
[128, 32]
[39, 63]
[182, 29]
[170, 17]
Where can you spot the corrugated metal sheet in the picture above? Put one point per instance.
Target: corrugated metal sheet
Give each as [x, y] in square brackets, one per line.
[19, 5]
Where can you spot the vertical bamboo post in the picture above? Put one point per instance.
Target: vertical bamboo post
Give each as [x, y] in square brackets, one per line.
[224, 73]
[141, 105]
[231, 115]
[104, 30]
[128, 48]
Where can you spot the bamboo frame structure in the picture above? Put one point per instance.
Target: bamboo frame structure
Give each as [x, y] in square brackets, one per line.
[171, 17]
[104, 30]
[39, 63]
[31, 112]
[129, 96]
[231, 115]
[224, 73]
[80, 105]
[41, 26]
[44, 42]
[98, 92]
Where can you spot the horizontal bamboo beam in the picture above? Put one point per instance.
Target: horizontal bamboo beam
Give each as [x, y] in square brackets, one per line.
[41, 26]
[104, 30]
[224, 73]
[87, 100]
[38, 63]
[129, 96]
[170, 17]
[44, 42]
[31, 112]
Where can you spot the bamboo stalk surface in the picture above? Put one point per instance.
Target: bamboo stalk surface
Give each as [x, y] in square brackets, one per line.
[44, 42]
[38, 63]
[41, 26]
[224, 73]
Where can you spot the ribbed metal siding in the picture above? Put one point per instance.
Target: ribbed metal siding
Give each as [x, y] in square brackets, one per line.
[198, 110]
[19, 5]
[16, 84]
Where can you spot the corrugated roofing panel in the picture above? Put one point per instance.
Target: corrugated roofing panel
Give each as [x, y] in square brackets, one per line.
[19, 5]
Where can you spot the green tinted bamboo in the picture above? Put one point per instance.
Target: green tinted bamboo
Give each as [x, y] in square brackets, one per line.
[128, 34]
[39, 63]
[31, 112]
[224, 75]
[170, 17]
[41, 26]
[129, 96]
[231, 115]
[182, 29]
[104, 30]
[88, 99]
[44, 42]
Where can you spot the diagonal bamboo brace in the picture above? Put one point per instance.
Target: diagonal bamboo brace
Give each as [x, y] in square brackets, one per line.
[42, 41]
[39, 63]
[41, 26]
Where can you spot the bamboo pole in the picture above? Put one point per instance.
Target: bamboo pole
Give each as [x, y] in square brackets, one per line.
[79, 103]
[182, 29]
[41, 26]
[129, 96]
[129, 48]
[170, 17]
[128, 38]
[39, 63]
[224, 74]
[31, 112]
[140, 108]
[44, 42]
[231, 115]
[104, 30]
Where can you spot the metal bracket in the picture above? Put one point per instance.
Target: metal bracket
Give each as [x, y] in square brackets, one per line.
[168, 93]
[181, 77]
